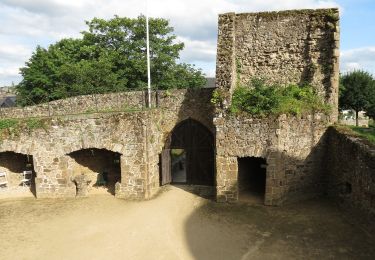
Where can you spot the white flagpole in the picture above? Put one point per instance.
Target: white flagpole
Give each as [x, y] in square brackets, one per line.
[148, 59]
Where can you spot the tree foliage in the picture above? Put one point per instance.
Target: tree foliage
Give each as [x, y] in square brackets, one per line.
[110, 57]
[357, 92]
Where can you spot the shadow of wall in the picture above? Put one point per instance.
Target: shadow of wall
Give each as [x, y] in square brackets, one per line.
[13, 164]
[293, 147]
[239, 231]
[350, 175]
[100, 166]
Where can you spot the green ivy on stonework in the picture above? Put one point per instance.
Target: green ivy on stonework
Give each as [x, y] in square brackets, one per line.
[259, 98]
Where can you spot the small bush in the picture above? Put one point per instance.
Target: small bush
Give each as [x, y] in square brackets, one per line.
[261, 99]
[217, 97]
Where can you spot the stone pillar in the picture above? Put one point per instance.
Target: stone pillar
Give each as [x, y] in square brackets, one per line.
[225, 59]
[132, 185]
[82, 184]
[275, 179]
[52, 178]
[227, 179]
[335, 76]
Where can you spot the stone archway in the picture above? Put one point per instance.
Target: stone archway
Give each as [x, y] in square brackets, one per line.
[189, 156]
[14, 165]
[101, 167]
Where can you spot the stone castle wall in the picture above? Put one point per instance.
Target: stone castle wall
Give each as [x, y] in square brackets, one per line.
[288, 47]
[80, 104]
[298, 46]
[350, 174]
[293, 148]
[111, 102]
[138, 136]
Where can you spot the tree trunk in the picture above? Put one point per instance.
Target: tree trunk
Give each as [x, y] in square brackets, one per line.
[356, 118]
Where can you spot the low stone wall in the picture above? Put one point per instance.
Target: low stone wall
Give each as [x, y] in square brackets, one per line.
[122, 101]
[79, 104]
[350, 171]
[361, 122]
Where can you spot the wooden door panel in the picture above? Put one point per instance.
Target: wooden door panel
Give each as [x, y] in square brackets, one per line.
[166, 175]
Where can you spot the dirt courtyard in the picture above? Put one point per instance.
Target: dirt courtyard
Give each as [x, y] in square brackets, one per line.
[176, 225]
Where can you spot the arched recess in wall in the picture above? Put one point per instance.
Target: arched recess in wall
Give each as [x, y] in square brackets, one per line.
[19, 170]
[101, 168]
[189, 155]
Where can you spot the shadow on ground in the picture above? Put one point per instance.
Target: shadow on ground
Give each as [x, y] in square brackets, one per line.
[310, 230]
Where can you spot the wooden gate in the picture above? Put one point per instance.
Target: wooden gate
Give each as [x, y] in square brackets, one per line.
[198, 143]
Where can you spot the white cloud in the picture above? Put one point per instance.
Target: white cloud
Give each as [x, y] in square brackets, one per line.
[28, 23]
[358, 59]
[13, 52]
[198, 50]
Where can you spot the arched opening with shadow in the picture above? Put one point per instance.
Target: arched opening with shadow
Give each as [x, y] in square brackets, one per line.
[188, 157]
[100, 167]
[17, 171]
[252, 179]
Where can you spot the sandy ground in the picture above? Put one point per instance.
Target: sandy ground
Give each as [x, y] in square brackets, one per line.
[176, 225]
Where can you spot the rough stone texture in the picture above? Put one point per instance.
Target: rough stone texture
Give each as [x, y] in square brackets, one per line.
[13, 164]
[137, 136]
[289, 47]
[81, 104]
[299, 46]
[292, 146]
[350, 174]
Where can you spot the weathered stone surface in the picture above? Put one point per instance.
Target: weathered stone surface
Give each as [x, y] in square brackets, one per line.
[287, 47]
[350, 174]
[298, 46]
[138, 136]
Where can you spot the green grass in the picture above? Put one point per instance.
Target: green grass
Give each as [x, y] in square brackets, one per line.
[8, 123]
[366, 132]
[35, 123]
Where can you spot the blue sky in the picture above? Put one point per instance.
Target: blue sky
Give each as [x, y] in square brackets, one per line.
[24, 24]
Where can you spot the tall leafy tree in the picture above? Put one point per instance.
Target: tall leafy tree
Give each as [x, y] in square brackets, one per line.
[110, 57]
[357, 90]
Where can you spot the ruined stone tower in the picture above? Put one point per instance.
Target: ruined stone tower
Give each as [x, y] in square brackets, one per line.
[298, 46]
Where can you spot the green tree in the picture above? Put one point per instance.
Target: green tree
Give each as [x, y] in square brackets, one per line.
[357, 90]
[371, 111]
[110, 57]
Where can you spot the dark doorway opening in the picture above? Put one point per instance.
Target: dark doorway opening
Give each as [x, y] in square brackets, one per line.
[189, 156]
[101, 167]
[178, 160]
[252, 179]
[18, 169]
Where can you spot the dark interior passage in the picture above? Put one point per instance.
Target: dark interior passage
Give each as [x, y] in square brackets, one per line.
[252, 178]
[100, 166]
[19, 169]
[178, 160]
